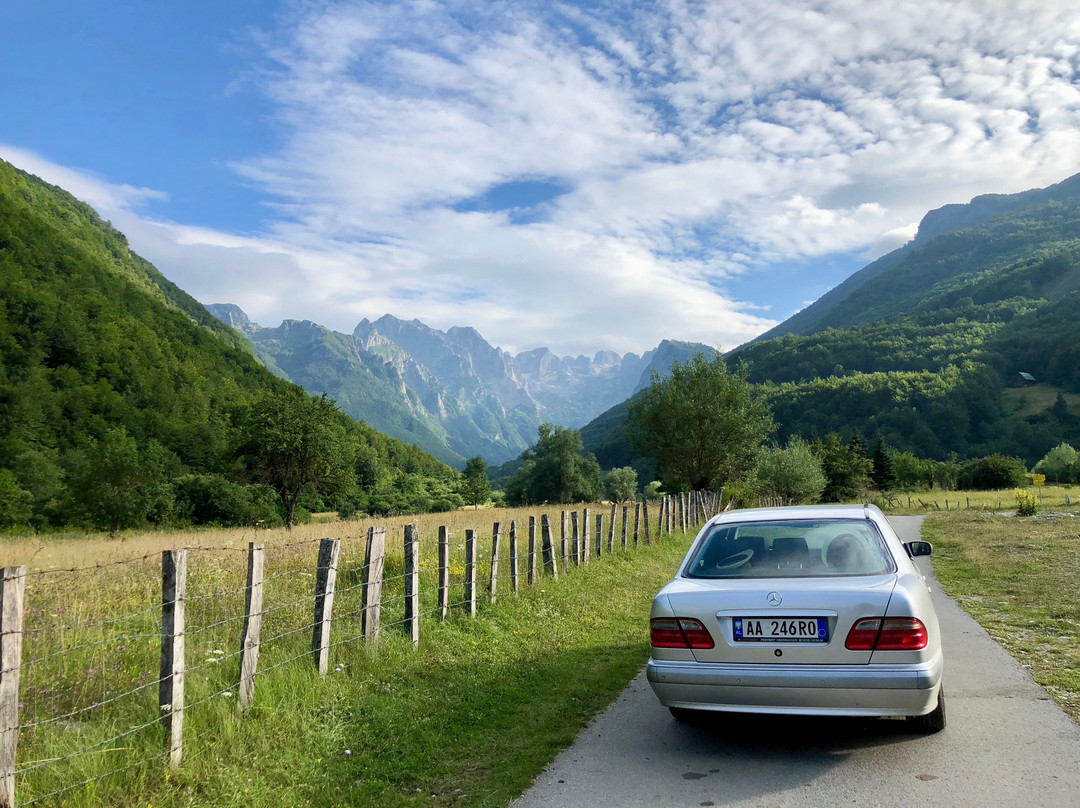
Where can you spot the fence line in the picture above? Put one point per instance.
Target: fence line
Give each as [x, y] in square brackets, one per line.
[328, 605]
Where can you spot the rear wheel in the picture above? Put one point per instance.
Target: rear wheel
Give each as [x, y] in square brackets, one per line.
[933, 721]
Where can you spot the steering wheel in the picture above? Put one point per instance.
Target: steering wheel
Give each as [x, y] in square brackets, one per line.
[735, 560]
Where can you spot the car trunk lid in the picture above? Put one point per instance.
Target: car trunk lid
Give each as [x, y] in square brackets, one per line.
[775, 605]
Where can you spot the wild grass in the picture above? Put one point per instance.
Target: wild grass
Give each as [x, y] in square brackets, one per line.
[1048, 497]
[1020, 578]
[468, 718]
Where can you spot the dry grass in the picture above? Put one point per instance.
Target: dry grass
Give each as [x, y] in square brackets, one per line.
[75, 550]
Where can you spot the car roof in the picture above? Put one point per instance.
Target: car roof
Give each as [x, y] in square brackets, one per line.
[832, 511]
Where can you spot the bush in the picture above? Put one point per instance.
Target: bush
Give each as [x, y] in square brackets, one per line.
[1026, 504]
[205, 499]
[993, 473]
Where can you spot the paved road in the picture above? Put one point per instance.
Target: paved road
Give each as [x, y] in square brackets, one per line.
[1006, 744]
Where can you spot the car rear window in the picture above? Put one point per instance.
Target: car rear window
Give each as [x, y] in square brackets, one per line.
[795, 548]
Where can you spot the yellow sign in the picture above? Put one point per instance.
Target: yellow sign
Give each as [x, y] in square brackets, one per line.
[1038, 479]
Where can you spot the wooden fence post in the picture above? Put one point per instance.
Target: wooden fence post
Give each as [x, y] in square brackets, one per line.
[12, 591]
[470, 572]
[249, 639]
[599, 533]
[412, 582]
[513, 556]
[585, 538]
[682, 512]
[575, 544]
[325, 579]
[563, 539]
[671, 514]
[637, 522]
[444, 572]
[532, 550]
[625, 519]
[548, 547]
[611, 529]
[171, 684]
[493, 581]
[372, 583]
[645, 519]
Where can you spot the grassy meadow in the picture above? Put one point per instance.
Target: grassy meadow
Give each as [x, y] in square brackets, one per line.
[468, 718]
[1020, 578]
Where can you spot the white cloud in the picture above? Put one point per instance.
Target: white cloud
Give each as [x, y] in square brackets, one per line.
[696, 141]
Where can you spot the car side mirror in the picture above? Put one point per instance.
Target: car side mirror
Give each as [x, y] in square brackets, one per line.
[918, 548]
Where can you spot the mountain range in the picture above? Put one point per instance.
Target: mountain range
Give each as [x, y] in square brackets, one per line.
[921, 347]
[449, 392]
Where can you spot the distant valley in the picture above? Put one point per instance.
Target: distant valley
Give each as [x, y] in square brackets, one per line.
[450, 392]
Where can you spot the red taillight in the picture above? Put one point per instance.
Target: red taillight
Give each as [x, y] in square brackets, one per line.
[887, 634]
[901, 634]
[678, 632]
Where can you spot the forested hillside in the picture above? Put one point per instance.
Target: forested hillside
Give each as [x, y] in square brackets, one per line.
[917, 348]
[115, 384]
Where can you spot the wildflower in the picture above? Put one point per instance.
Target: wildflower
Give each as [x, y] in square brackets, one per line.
[348, 751]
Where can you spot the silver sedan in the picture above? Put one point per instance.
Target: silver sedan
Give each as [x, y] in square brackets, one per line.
[815, 610]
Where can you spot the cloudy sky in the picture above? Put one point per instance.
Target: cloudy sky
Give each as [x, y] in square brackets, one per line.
[583, 176]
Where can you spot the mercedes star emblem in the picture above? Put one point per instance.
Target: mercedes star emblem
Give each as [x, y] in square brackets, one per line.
[774, 599]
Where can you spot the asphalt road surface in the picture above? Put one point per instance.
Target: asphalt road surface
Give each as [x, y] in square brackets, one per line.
[1006, 744]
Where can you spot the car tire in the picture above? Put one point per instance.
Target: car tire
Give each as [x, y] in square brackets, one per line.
[686, 716]
[933, 721]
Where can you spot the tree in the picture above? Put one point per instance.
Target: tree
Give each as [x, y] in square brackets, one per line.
[555, 470]
[475, 488]
[621, 484]
[1058, 463]
[884, 472]
[703, 424]
[14, 501]
[793, 474]
[296, 444]
[118, 486]
[846, 467]
[993, 473]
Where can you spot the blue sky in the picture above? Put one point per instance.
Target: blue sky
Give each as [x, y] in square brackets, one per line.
[582, 176]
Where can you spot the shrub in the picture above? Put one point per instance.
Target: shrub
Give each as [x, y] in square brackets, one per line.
[1058, 463]
[1026, 504]
[993, 472]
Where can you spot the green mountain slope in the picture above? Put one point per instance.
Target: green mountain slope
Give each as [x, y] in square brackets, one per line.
[918, 346]
[93, 340]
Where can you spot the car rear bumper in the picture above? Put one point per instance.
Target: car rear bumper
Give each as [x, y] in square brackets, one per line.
[855, 690]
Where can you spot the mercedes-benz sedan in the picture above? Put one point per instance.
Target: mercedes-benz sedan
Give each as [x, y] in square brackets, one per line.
[815, 610]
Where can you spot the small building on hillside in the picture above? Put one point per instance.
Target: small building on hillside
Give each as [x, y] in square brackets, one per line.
[1023, 380]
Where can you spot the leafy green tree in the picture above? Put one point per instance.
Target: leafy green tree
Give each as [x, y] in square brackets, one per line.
[652, 490]
[14, 501]
[793, 473]
[475, 486]
[1058, 463]
[118, 486]
[846, 467]
[621, 484]
[296, 444]
[883, 474]
[704, 424]
[555, 470]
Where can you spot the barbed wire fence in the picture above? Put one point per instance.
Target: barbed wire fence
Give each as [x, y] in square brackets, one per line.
[164, 635]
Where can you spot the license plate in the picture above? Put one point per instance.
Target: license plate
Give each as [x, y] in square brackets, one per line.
[781, 629]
